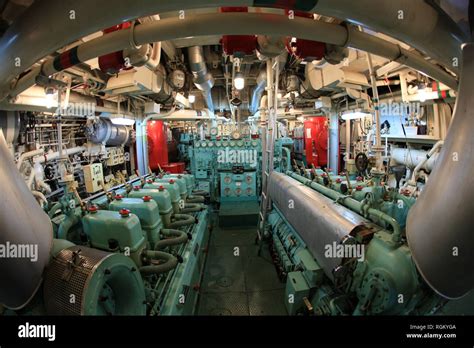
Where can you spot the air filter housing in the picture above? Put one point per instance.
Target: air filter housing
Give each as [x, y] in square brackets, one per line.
[85, 281]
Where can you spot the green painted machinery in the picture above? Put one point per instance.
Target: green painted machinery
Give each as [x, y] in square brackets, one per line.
[146, 209]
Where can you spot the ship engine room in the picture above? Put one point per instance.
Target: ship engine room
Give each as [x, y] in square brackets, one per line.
[236, 158]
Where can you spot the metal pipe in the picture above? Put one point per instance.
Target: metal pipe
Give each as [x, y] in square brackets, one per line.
[439, 225]
[420, 165]
[418, 23]
[26, 155]
[429, 32]
[258, 91]
[412, 158]
[23, 223]
[203, 80]
[230, 23]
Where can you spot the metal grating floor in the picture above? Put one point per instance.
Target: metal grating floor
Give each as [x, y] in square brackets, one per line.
[236, 281]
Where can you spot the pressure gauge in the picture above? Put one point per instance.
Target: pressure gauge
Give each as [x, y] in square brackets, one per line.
[204, 144]
[225, 143]
[240, 143]
[227, 192]
[210, 144]
[254, 143]
[227, 179]
[197, 144]
[218, 144]
[232, 143]
[249, 191]
[235, 135]
[238, 192]
[248, 179]
[214, 131]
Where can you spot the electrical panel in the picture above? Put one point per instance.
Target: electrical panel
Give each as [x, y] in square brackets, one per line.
[115, 156]
[93, 177]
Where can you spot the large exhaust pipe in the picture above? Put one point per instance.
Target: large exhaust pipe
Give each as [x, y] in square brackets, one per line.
[203, 80]
[26, 236]
[258, 91]
[440, 224]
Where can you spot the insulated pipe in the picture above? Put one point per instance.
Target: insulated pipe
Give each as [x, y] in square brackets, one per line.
[412, 158]
[228, 23]
[26, 155]
[258, 91]
[203, 80]
[174, 237]
[417, 23]
[440, 224]
[23, 224]
[420, 165]
[16, 42]
[170, 263]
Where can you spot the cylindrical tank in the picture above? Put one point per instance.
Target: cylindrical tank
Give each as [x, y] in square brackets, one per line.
[103, 131]
[157, 144]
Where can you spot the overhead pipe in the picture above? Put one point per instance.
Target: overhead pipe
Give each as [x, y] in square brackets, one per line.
[417, 23]
[258, 91]
[439, 225]
[232, 24]
[203, 80]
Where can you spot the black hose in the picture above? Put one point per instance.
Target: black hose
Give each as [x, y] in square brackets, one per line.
[176, 237]
[182, 220]
[170, 262]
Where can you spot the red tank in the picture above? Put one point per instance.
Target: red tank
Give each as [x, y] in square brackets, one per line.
[157, 144]
[316, 141]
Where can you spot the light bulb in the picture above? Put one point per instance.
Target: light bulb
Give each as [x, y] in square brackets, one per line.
[192, 98]
[239, 81]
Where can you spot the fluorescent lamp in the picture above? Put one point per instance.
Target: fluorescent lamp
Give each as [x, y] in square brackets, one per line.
[192, 98]
[355, 114]
[122, 121]
[239, 81]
